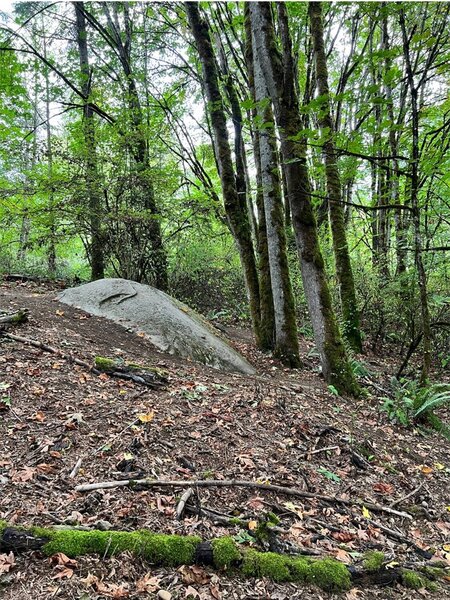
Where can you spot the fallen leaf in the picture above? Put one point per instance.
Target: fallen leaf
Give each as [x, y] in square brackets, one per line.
[426, 470]
[383, 488]
[148, 584]
[365, 513]
[252, 525]
[7, 562]
[190, 591]
[61, 559]
[64, 573]
[148, 418]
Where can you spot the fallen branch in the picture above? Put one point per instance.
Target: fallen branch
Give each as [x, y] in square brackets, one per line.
[181, 506]
[104, 485]
[222, 553]
[140, 379]
[401, 538]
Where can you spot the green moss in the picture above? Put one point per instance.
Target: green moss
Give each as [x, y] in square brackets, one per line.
[300, 568]
[105, 364]
[330, 575]
[373, 561]
[434, 572]
[170, 550]
[225, 552]
[266, 564]
[413, 580]
[3, 526]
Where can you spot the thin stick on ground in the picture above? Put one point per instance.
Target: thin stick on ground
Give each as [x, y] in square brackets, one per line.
[413, 493]
[104, 485]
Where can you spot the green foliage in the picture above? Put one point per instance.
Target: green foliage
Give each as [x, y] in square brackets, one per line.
[329, 474]
[410, 402]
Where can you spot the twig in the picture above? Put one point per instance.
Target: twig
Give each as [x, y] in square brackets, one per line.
[413, 493]
[401, 538]
[317, 451]
[18, 317]
[76, 468]
[104, 485]
[182, 503]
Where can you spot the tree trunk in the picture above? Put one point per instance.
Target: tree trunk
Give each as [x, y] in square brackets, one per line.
[280, 80]
[286, 340]
[421, 274]
[96, 256]
[344, 272]
[51, 248]
[236, 213]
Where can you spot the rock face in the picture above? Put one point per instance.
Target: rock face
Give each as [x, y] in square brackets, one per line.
[169, 324]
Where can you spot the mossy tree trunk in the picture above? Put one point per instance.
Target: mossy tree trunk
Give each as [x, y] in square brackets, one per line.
[96, 247]
[281, 83]
[344, 272]
[236, 210]
[286, 340]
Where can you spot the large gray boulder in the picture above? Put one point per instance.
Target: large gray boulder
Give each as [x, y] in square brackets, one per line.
[169, 324]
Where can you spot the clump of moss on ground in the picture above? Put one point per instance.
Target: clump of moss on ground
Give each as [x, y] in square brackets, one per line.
[373, 561]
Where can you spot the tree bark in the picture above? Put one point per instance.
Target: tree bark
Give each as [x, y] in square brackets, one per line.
[414, 198]
[286, 340]
[344, 272]
[236, 213]
[267, 327]
[92, 176]
[280, 79]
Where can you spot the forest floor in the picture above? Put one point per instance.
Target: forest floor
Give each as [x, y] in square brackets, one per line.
[204, 424]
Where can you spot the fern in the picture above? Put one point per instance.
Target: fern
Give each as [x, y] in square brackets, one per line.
[430, 398]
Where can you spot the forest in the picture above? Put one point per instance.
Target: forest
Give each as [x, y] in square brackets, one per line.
[275, 174]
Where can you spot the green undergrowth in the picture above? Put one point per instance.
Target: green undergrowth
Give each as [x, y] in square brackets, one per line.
[175, 550]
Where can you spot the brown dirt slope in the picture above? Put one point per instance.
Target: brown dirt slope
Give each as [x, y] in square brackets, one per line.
[205, 424]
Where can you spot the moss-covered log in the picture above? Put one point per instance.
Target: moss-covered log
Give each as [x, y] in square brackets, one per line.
[21, 316]
[222, 553]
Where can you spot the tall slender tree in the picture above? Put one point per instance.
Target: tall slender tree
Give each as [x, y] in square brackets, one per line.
[344, 271]
[235, 207]
[95, 207]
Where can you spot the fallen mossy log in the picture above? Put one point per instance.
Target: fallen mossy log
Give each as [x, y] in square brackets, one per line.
[148, 381]
[145, 482]
[16, 318]
[133, 371]
[222, 553]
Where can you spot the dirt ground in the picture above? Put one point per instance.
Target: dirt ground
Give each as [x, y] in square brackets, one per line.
[273, 427]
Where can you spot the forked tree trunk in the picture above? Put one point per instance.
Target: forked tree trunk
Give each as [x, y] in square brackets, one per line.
[280, 80]
[96, 255]
[286, 340]
[236, 212]
[344, 272]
